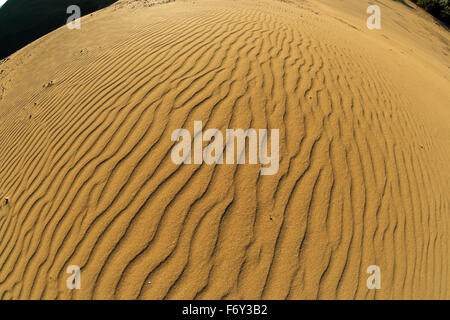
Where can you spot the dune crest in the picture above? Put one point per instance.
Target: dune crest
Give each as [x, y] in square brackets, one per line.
[364, 167]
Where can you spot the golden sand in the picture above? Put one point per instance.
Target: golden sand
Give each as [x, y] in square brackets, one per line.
[86, 118]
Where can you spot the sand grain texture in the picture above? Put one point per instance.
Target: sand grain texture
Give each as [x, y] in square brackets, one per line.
[85, 123]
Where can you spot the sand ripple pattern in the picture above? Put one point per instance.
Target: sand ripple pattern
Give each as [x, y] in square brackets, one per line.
[90, 180]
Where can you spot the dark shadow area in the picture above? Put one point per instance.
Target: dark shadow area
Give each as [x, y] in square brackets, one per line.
[440, 9]
[23, 21]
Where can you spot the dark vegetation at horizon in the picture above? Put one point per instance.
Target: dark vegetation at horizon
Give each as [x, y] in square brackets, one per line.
[23, 21]
[438, 8]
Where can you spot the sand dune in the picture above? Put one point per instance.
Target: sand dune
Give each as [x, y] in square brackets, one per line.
[86, 118]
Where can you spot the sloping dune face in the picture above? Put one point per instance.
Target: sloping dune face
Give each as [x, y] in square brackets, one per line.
[87, 176]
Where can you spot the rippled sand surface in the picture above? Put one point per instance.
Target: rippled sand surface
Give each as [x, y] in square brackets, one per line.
[87, 179]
